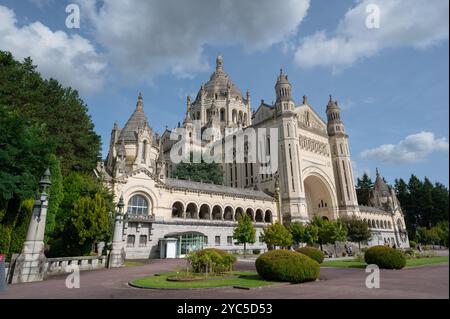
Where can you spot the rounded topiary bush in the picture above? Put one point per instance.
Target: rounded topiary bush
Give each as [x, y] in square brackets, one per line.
[385, 257]
[312, 252]
[412, 244]
[285, 265]
[211, 260]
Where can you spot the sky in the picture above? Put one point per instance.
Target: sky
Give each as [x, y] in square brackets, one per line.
[386, 62]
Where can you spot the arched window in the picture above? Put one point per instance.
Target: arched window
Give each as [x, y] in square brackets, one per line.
[259, 216]
[191, 211]
[228, 214]
[222, 115]
[249, 213]
[177, 210]
[204, 212]
[138, 205]
[268, 216]
[217, 212]
[239, 213]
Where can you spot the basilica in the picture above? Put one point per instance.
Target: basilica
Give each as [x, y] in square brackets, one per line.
[166, 217]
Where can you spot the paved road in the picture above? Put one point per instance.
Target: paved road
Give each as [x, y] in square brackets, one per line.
[423, 282]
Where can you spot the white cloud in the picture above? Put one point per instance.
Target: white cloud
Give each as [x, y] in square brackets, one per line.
[414, 148]
[403, 23]
[71, 59]
[146, 38]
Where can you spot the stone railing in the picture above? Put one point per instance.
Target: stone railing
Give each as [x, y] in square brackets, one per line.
[55, 266]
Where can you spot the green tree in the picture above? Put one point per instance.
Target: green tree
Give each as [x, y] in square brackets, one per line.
[338, 232]
[276, 235]
[357, 230]
[304, 233]
[245, 232]
[24, 156]
[56, 194]
[58, 110]
[363, 187]
[440, 204]
[199, 172]
[76, 186]
[89, 222]
[323, 230]
[426, 204]
[442, 232]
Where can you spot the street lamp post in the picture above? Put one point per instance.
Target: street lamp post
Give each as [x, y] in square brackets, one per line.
[30, 264]
[117, 255]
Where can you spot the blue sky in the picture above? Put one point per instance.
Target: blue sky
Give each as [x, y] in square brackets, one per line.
[391, 81]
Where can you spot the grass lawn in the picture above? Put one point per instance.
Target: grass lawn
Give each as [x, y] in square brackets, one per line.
[130, 263]
[409, 262]
[245, 279]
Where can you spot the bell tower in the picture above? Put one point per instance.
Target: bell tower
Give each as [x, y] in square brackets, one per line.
[340, 154]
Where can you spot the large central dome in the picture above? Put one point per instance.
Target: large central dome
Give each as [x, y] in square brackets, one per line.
[219, 83]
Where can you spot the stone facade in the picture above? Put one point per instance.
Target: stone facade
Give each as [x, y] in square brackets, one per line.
[314, 173]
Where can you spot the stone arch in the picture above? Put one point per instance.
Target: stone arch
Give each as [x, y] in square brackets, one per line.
[259, 215]
[249, 212]
[217, 212]
[377, 223]
[192, 211]
[145, 191]
[228, 213]
[268, 217]
[385, 226]
[177, 209]
[204, 212]
[222, 115]
[320, 196]
[238, 213]
[373, 223]
[389, 225]
[138, 204]
[369, 222]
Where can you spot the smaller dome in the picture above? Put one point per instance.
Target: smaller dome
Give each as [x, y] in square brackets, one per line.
[282, 78]
[332, 104]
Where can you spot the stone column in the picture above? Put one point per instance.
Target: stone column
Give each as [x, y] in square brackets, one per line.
[30, 264]
[117, 255]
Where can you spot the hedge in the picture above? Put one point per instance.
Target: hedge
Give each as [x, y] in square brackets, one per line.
[312, 252]
[385, 257]
[211, 260]
[285, 265]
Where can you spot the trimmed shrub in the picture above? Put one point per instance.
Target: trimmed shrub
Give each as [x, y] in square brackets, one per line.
[256, 251]
[312, 252]
[412, 244]
[285, 265]
[385, 257]
[211, 260]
